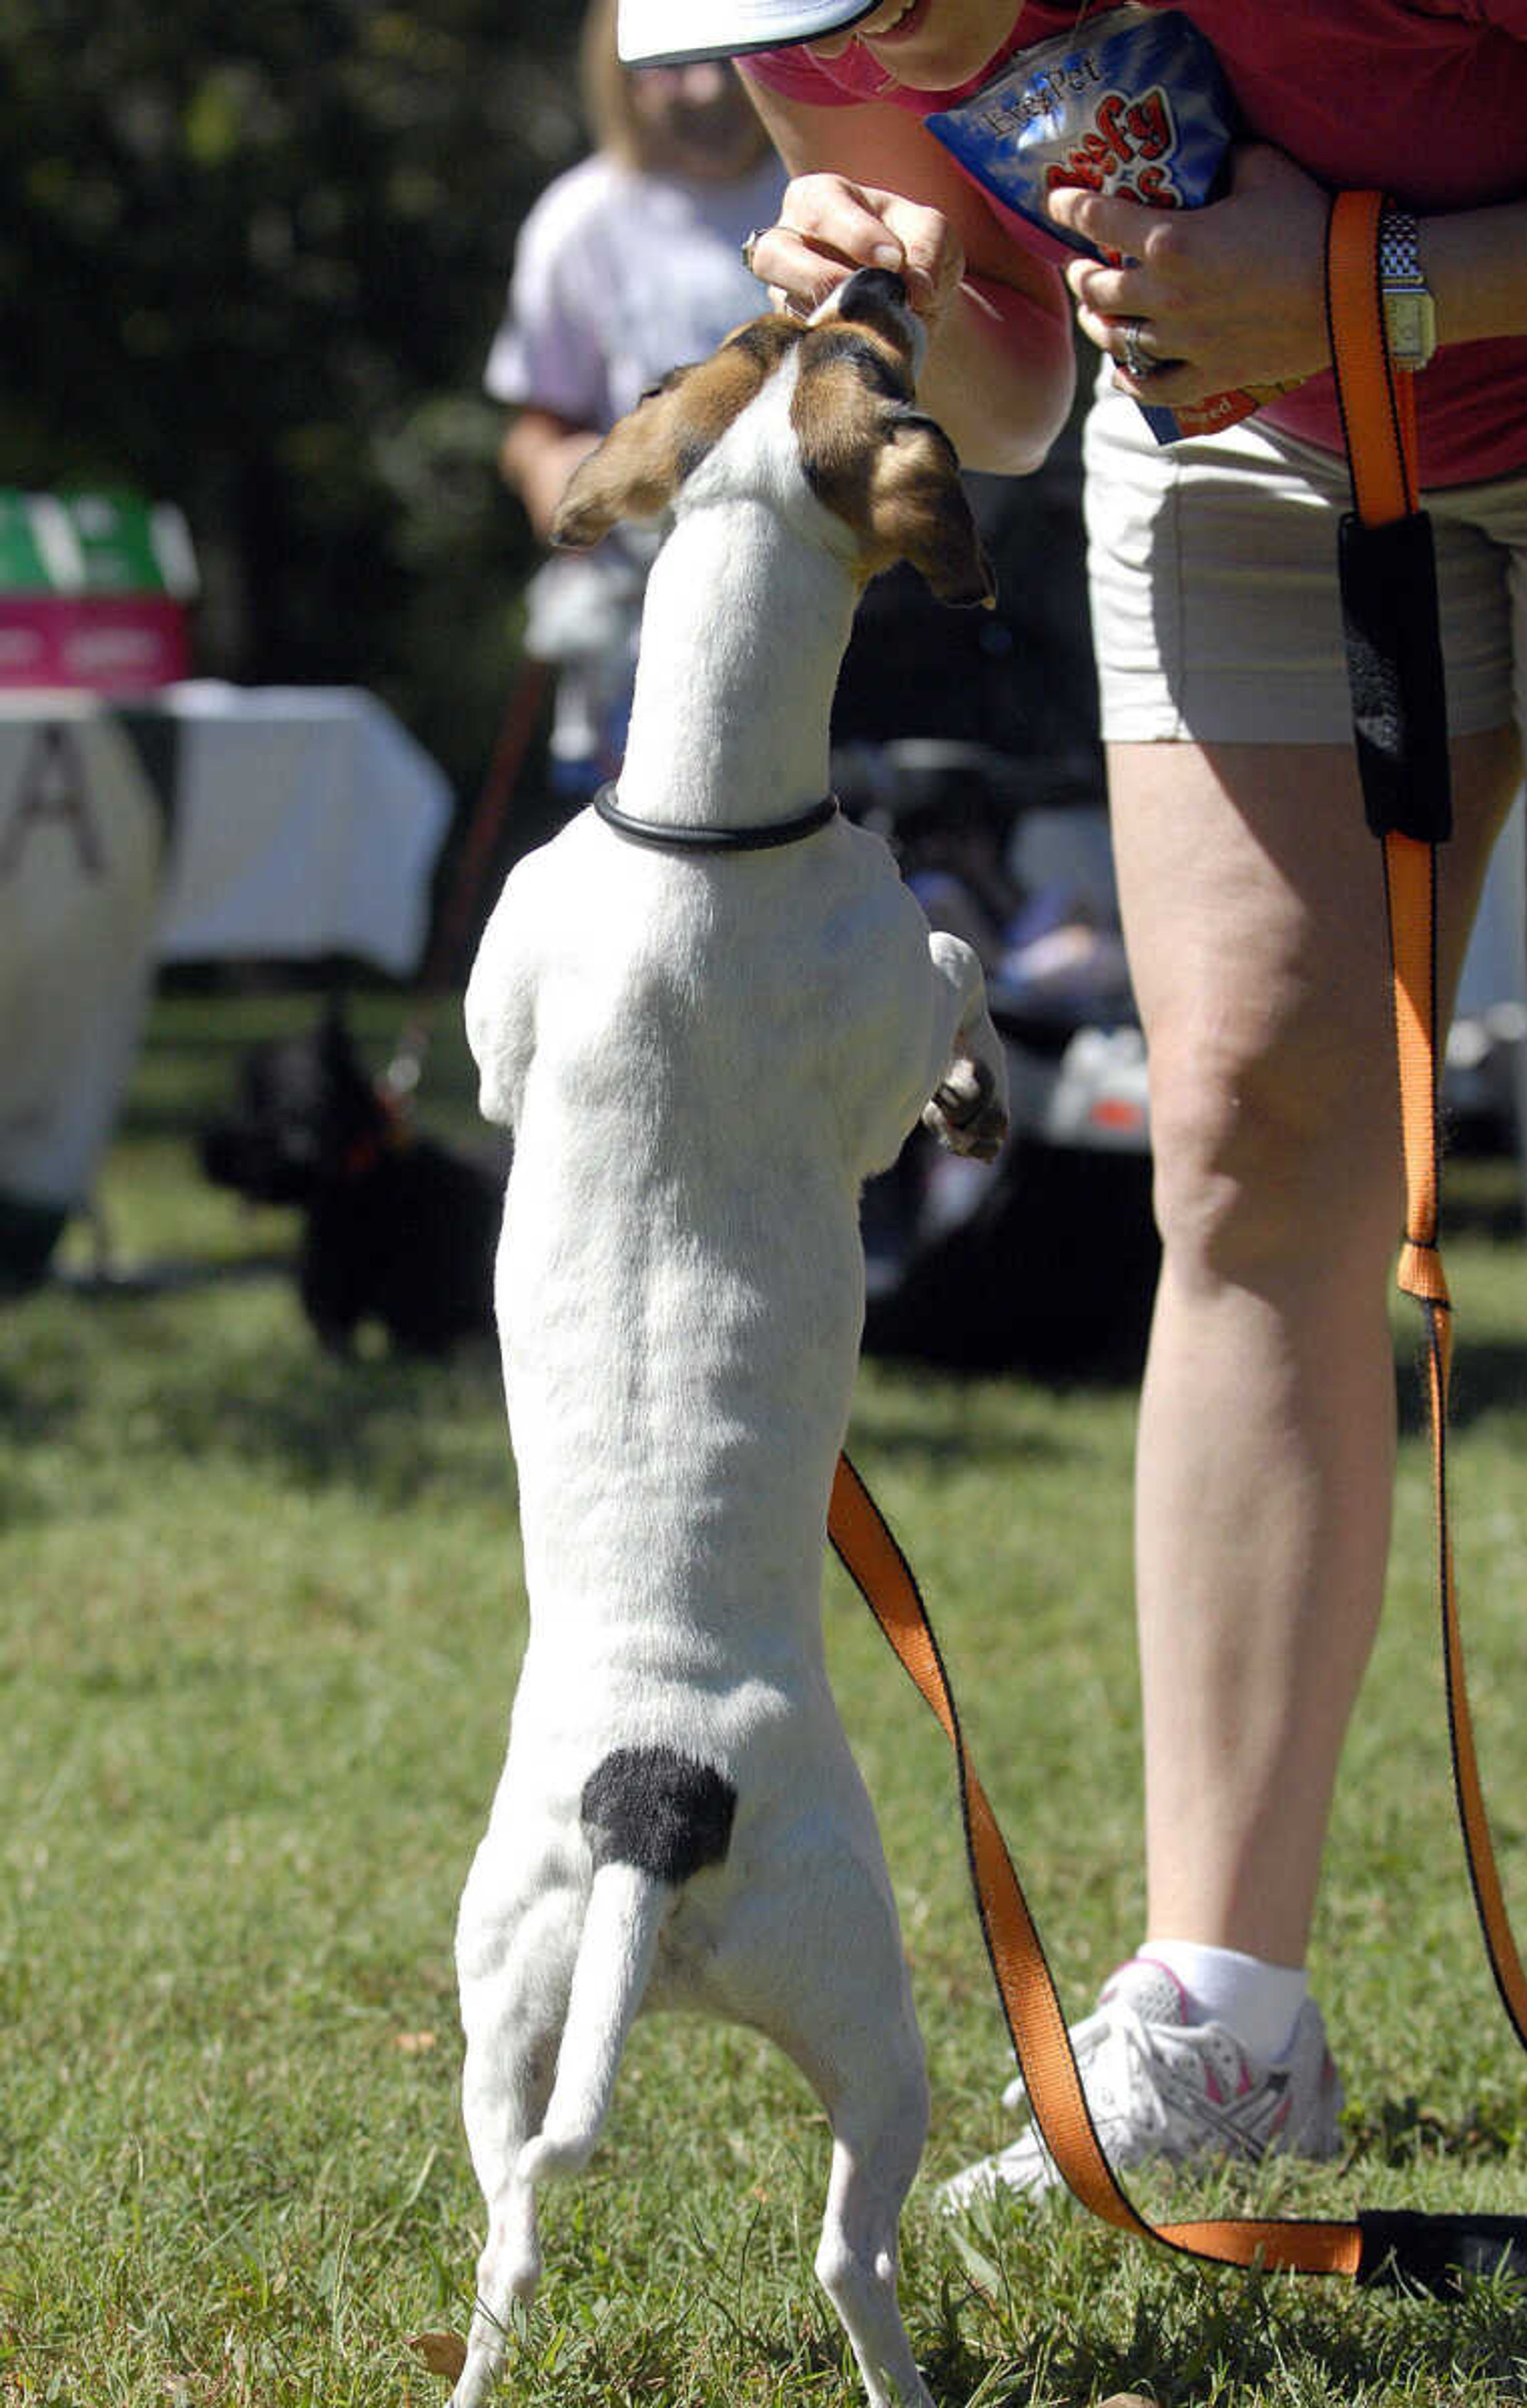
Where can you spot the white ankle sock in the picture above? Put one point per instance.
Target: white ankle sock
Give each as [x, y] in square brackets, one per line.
[1258, 2002]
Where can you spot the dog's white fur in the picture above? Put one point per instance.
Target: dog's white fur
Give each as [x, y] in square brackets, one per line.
[702, 1058]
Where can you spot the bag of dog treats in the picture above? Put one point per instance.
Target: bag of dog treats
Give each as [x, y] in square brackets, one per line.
[1132, 104]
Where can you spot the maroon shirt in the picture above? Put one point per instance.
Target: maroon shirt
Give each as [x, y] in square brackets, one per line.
[1425, 99]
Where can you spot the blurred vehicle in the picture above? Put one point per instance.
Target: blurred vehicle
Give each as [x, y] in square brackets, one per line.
[1050, 1257]
[968, 740]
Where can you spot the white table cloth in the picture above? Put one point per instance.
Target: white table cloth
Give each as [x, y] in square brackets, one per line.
[201, 822]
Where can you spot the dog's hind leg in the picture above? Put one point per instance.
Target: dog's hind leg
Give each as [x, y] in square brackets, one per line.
[513, 2002]
[851, 2027]
[878, 2136]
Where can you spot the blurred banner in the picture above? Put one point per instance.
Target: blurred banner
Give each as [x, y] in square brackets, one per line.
[200, 821]
[95, 591]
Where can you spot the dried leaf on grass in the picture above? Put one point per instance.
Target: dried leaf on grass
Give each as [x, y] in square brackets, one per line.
[443, 2353]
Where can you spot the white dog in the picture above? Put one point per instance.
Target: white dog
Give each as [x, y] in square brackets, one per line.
[708, 1011]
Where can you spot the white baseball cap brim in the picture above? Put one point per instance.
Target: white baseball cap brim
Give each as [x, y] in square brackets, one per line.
[664, 33]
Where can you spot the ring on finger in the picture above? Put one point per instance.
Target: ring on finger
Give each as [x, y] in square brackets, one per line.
[1137, 360]
[749, 245]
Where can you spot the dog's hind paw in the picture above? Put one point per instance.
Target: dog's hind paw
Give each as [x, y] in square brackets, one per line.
[477, 2379]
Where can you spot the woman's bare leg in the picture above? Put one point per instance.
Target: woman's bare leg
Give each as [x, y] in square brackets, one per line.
[1252, 901]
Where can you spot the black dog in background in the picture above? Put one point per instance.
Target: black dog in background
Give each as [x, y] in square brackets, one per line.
[398, 1228]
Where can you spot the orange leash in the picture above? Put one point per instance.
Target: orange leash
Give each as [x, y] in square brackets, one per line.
[1377, 2245]
[1396, 661]
[1035, 2023]
[1399, 728]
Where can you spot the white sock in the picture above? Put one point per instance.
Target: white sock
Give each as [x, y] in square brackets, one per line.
[1258, 2002]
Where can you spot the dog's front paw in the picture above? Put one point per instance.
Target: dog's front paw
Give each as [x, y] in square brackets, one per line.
[965, 1112]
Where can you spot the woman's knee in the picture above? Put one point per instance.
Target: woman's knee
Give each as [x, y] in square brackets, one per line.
[1252, 897]
[1262, 1155]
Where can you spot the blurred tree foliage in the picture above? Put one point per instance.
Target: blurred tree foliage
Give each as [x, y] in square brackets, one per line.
[252, 261]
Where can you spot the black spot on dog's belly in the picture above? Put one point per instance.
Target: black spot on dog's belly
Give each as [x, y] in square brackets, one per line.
[657, 1810]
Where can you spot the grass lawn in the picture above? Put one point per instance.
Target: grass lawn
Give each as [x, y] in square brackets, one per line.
[263, 1615]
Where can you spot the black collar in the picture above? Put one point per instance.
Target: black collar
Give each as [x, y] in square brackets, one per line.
[760, 837]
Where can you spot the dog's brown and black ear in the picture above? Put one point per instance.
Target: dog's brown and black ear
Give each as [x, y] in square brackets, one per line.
[637, 469]
[630, 474]
[920, 511]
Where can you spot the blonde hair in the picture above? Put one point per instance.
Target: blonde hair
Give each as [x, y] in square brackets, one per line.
[613, 122]
[618, 128]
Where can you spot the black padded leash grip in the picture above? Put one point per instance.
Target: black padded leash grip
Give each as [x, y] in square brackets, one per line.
[1389, 601]
[1402, 2248]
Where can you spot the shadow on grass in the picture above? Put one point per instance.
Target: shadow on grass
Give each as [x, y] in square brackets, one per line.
[1180, 2337]
[919, 1414]
[391, 1429]
[232, 1378]
[1490, 1377]
[951, 1449]
[1083, 1358]
[1236, 2346]
[1404, 2132]
[1483, 1197]
[189, 1066]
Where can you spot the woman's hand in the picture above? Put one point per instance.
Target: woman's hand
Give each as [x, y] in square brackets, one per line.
[829, 226]
[1229, 296]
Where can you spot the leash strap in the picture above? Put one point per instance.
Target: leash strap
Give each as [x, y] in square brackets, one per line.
[1035, 2021]
[1390, 2247]
[1399, 728]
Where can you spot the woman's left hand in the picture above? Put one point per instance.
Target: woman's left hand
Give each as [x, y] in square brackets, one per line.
[1229, 296]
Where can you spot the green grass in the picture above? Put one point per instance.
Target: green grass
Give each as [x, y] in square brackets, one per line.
[262, 1617]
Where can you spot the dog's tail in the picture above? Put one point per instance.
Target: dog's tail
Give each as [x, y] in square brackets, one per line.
[652, 1819]
[625, 1913]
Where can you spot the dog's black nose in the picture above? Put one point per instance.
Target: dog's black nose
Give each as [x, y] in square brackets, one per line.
[870, 291]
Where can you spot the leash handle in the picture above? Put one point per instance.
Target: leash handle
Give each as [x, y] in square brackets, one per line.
[1387, 560]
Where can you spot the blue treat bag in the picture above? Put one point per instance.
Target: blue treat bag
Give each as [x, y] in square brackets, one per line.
[1133, 103]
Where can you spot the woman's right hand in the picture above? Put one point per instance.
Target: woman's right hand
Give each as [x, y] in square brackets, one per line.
[828, 227]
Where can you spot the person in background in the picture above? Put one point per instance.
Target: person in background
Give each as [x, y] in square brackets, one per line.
[1250, 888]
[627, 265]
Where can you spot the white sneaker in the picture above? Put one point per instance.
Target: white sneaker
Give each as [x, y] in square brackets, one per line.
[1160, 2086]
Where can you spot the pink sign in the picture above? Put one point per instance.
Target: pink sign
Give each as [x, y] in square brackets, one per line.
[112, 643]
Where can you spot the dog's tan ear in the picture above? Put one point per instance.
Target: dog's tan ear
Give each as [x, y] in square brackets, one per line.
[630, 474]
[920, 512]
[637, 469]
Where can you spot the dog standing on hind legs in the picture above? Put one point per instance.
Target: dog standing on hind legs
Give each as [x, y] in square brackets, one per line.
[709, 1010]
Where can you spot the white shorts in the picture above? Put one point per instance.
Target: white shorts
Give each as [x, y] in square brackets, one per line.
[1213, 575]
